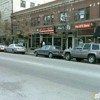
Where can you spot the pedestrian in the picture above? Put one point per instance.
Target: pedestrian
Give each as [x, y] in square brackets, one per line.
[43, 43]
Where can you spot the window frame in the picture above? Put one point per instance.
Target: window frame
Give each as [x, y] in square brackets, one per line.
[22, 3]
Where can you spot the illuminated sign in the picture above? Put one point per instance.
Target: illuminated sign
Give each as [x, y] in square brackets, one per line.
[84, 25]
[46, 30]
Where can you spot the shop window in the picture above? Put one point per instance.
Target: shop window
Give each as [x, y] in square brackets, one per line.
[23, 3]
[89, 39]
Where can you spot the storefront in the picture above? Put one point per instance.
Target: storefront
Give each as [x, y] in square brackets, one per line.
[85, 32]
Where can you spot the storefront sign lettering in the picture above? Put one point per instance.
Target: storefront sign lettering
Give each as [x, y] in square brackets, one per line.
[47, 29]
[84, 25]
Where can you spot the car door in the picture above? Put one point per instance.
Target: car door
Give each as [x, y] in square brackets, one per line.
[9, 48]
[77, 51]
[42, 50]
[47, 50]
[85, 50]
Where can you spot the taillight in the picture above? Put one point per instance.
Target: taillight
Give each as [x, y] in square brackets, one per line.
[18, 48]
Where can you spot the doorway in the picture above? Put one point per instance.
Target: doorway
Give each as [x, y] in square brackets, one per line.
[69, 42]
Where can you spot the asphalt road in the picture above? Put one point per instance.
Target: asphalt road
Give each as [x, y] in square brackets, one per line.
[25, 77]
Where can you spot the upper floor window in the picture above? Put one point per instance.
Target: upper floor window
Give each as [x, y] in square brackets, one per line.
[35, 21]
[63, 17]
[32, 4]
[48, 19]
[23, 3]
[82, 14]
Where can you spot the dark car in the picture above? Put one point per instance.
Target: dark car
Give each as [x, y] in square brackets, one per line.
[49, 50]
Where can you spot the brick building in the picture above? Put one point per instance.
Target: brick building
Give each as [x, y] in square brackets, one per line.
[58, 23]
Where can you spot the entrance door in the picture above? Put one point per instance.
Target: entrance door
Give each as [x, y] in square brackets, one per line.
[69, 42]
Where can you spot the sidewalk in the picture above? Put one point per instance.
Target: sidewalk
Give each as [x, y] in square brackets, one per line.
[29, 52]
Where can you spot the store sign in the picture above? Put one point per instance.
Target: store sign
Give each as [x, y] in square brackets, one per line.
[84, 25]
[46, 30]
[66, 27]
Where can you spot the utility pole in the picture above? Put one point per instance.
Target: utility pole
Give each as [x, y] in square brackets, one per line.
[12, 20]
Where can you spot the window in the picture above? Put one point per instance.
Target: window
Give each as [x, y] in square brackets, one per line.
[82, 14]
[87, 46]
[32, 4]
[48, 19]
[23, 3]
[95, 47]
[79, 46]
[87, 13]
[76, 15]
[63, 17]
[35, 21]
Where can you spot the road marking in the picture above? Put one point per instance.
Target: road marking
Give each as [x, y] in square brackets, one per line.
[34, 63]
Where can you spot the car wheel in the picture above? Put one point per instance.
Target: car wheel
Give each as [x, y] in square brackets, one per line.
[68, 56]
[78, 59]
[23, 52]
[36, 53]
[92, 59]
[50, 55]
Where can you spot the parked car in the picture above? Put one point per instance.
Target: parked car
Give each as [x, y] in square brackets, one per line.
[15, 48]
[49, 50]
[2, 47]
[89, 51]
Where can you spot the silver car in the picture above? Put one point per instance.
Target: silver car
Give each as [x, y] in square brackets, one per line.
[2, 47]
[15, 48]
[89, 51]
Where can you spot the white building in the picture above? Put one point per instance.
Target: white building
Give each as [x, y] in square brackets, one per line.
[7, 7]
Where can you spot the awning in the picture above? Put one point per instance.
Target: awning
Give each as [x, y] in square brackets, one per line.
[97, 32]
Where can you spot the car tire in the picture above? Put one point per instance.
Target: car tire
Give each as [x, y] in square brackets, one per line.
[36, 53]
[50, 55]
[92, 59]
[68, 56]
[23, 52]
[78, 59]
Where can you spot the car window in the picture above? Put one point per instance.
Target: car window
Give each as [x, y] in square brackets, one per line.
[87, 46]
[44, 47]
[56, 47]
[95, 47]
[11, 45]
[79, 46]
[47, 47]
[17, 45]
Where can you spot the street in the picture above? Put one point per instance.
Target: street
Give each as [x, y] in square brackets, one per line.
[25, 77]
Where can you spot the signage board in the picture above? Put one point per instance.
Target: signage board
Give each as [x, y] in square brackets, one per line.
[84, 25]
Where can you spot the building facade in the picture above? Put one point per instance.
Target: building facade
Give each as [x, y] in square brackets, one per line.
[7, 8]
[60, 23]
